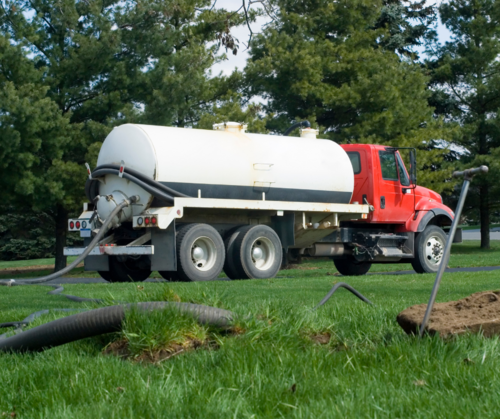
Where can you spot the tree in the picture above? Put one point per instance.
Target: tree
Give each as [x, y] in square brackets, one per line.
[466, 91]
[100, 63]
[407, 24]
[328, 62]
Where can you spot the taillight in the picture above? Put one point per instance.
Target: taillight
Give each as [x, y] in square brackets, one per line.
[146, 221]
[78, 224]
[71, 224]
[153, 220]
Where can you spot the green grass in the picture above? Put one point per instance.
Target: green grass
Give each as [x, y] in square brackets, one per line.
[477, 226]
[32, 262]
[370, 368]
[467, 254]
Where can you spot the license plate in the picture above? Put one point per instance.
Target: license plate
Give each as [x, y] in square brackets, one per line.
[85, 232]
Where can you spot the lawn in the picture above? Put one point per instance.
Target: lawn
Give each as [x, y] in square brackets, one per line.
[466, 254]
[347, 359]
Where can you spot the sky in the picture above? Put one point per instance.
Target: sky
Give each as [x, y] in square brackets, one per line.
[242, 34]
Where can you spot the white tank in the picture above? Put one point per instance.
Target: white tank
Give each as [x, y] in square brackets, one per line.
[225, 163]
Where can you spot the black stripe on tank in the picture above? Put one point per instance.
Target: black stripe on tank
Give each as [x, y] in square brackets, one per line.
[255, 193]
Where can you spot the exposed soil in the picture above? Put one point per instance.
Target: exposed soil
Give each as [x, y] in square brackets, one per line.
[120, 349]
[480, 312]
[321, 338]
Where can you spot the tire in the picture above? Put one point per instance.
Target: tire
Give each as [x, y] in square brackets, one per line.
[429, 249]
[350, 267]
[106, 275]
[172, 276]
[204, 264]
[231, 265]
[128, 271]
[258, 252]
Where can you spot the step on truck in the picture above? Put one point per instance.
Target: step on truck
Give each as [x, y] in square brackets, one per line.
[218, 200]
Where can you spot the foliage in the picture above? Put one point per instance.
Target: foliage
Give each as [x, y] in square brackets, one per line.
[82, 67]
[408, 25]
[233, 108]
[466, 91]
[26, 234]
[321, 61]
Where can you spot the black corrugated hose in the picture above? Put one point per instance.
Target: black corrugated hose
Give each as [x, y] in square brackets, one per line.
[155, 188]
[100, 321]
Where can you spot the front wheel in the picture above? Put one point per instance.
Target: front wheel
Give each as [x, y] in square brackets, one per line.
[429, 250]
[350, 267]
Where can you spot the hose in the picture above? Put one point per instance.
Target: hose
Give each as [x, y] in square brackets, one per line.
[155, 188]
[347, 287]
[145, 179]
[86, 252]
[152, 190]
[100, 321]
[305, 124]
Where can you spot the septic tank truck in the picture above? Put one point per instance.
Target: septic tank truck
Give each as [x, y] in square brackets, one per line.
[207, 201]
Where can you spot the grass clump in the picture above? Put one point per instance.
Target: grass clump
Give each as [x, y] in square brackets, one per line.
[158, 335]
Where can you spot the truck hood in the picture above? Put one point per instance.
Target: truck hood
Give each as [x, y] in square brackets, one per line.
[426, 199]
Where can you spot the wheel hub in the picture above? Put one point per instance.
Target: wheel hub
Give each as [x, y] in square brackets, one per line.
[203, 253]
[434, 250]
[263, 253]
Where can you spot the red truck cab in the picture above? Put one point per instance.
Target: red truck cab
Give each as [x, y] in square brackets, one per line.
[407, 221]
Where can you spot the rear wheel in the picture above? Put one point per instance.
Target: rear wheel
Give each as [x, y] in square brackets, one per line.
[258, 252]
[106, 275]
[231, 262]
[351, 267]
[200, 253]
[429, 249]
[129, 270]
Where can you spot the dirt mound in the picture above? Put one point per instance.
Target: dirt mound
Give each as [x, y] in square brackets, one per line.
[478, 312]
[120, 349]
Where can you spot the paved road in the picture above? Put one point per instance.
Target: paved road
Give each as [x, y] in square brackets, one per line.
[476, 235]
[282, 275]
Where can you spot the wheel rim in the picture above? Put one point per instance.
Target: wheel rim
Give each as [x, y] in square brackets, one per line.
[263, 253]
[203, 253]
[434, 249]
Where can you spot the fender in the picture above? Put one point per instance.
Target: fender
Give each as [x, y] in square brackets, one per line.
[425, 212]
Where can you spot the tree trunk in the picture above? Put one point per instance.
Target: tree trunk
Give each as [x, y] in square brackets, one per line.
[484, 213]
[61, 232]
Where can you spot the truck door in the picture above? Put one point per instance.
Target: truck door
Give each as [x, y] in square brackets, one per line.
[397, 197]
[363, 188]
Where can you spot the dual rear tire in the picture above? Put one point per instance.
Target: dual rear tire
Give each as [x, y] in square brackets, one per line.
[248, 252]
[253, 252]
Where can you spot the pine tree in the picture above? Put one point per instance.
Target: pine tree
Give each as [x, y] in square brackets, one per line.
[329, 62]
[466, 85]
[97, 64]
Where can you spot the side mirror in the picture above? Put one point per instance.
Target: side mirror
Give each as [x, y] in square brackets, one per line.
[413, 167]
